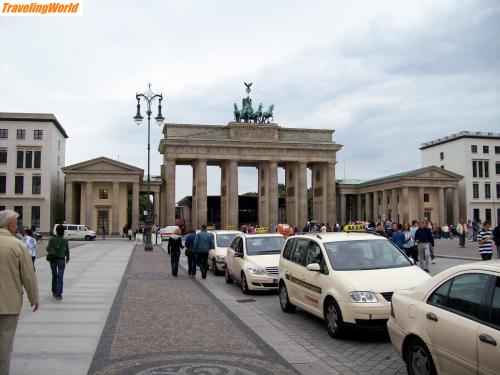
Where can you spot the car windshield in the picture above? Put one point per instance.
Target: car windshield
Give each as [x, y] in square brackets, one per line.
[264, 245]
[223, 240]
[365, 255]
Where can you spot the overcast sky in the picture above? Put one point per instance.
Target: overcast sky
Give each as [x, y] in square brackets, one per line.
[386, 75]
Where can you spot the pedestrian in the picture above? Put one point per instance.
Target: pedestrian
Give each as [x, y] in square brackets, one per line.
[409, 242]
[322, 229]
[462, 232]
[189, 243]
[174, 249]
[496, 237]
[58, 265]
[124, 231]
[485, 241]
[446, 231]
[129, 234]
[475, 230]
[203, 243]
[398, 237]
[424, 239]
[16, 273]
[30, 243]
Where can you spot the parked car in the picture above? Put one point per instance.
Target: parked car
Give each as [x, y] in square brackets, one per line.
[252, 260]
[451, 323]
[347, 279]
[168, 231]
[76, 232]
[217, 256]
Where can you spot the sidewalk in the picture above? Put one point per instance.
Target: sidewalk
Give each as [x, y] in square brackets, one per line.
[450, 249]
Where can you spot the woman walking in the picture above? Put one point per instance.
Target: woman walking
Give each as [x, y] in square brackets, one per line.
[57, 266]
[30, 243]
[174, 248]
[409, 242]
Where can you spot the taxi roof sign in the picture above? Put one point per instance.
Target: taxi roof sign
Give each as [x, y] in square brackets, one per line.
[261, 230]
[231, 227]
[354, 228]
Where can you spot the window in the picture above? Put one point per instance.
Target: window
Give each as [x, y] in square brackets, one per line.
[480, 168]
[486, 149]
[38, 134]
[498, 190]
[21, 134]
[487, 191]
[20, 159]
[4, 133]
[495, 304]
[487, 215]
[442, 167]
[314, 255]
[19, 210]
[441, 156]
[29, 159]
[473, 149]
[3, 184]
[497, 149]
[426, 197]
[2, 208]
[36, 184]
[3, 156]
[288, 249]
[19, 184]
[38, 159]
[103, 193]
[474, 168]
[475, 214]
[299, 252]
[487, 169]
[497, 166]
[35, 216]
[475, 191]
[462, 294]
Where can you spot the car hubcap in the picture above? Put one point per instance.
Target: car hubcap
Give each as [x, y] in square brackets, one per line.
[332, 317]
[419, 361]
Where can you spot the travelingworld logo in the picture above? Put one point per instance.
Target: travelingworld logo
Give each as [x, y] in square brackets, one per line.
[42, 8]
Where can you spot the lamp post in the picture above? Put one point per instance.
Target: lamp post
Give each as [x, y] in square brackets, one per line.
[148, 97]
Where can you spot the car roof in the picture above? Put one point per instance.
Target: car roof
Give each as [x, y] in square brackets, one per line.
[249, 235]
[224, 231]
[341, 236]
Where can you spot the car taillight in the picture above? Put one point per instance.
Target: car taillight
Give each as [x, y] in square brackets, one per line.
[392, 311]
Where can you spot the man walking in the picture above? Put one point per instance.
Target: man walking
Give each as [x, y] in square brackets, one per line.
[16, 272]
[203, 243]
[424, 239]
[462, 232]
[496, 237]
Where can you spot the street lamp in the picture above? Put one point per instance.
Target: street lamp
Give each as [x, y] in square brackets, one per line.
[148, 97]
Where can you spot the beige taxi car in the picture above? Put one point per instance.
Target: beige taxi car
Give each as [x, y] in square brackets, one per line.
[451, 323]
[252, 260]
[347, 279]
[217, 256]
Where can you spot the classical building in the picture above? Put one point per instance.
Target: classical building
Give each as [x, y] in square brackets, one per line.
[476, 156]
[32, 153]
[265, 146]
[429, 192]
[98, 190]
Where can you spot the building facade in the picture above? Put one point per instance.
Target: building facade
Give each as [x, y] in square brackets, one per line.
[32, 153]
[475, 156]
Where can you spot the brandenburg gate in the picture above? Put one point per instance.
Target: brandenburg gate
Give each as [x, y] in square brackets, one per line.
[265, 146]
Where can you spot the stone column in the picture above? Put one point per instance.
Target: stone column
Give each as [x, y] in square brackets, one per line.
[375, 206]
[69, 202]
[135, 205]
[170, 192]
[442, 207]
[421, 203]
[456, 213]
[291, 194]
[342, 209]
[263, 193]
[273, 193]
[163, 197]
[331, 197]
[384, 213]
[359, 213]
[368, 207]
[394, 205]
[405, 208]
[302, 193]
[89, 209]
[156, 205]
[115, 229]
[232, 193]
[199, 213]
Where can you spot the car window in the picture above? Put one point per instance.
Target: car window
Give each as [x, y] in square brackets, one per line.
[234, 245]
[495, 304]
[364, 255]
[264, 245]
[224, 239]
[440, 295]
[299, 252]
[71, 227]
[314, 255]
[288, 249]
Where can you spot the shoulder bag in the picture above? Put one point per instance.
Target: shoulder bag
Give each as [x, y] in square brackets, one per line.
[52, 253]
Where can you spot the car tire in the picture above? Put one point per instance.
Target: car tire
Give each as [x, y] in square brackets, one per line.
[285, 303]
[214, 266]
[244, 284]
[333, 319]
[418, 358]
[87, 238]
[227, 276]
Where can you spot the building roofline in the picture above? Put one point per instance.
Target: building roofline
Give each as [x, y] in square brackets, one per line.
[36, 117]
[456, 136]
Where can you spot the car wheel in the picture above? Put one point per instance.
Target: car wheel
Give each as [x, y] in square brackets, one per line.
[333, 319]
[87, 238]
[244, 284]
[214, 266]
[285, 303]
[418, 359]
[227, 276]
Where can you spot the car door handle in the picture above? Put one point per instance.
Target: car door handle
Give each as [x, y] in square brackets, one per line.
[431, 316]
[487, 339]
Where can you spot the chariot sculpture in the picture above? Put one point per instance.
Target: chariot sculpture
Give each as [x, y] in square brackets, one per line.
[247, 113]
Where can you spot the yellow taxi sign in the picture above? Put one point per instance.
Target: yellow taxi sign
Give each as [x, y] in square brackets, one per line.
[231, 227]
[261, 230]
[354, 228]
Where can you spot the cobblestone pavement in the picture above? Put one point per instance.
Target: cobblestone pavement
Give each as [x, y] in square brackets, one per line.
[160, 324]
[302, 339]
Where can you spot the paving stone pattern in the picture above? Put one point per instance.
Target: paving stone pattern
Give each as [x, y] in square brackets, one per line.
[160, 324]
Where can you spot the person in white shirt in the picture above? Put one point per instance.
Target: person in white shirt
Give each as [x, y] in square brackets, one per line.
[30, 243]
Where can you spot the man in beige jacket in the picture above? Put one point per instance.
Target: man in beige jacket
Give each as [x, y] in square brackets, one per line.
[16, 272]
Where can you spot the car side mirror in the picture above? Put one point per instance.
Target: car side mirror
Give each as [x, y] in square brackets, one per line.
[314, 267]
[237, 254]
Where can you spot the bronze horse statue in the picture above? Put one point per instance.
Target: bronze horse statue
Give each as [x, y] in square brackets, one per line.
[257, 115]
[268, 115]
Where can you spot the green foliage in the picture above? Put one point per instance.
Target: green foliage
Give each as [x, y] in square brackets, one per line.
[142, 206]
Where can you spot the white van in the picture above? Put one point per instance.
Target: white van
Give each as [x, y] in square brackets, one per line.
[76, 232]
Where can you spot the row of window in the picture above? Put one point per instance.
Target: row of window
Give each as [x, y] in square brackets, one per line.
[21, 134]
[35, 215]
[26, 158]
[476, 214]
[486, 150]
[487, 190]
[36, 184]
